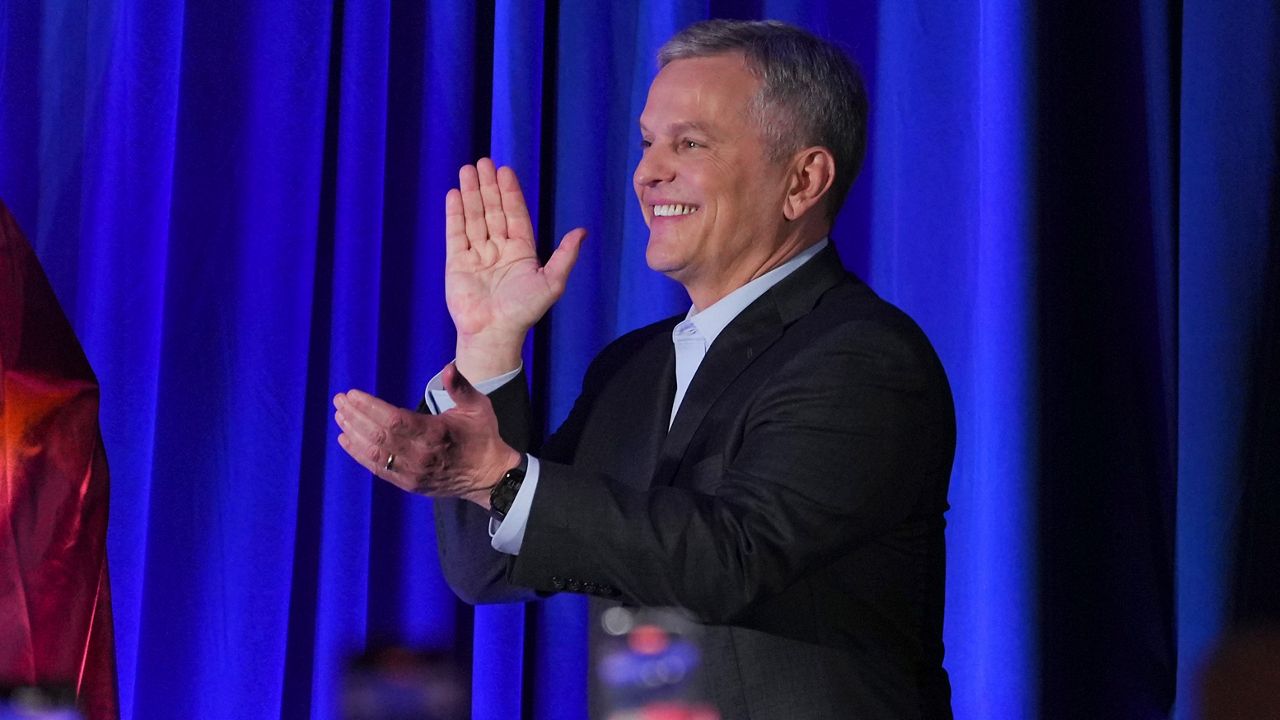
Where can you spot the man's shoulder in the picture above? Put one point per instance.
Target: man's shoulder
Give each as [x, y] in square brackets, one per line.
[849, 316]
[853, 301]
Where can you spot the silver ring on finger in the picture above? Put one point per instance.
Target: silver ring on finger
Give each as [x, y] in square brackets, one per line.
[391, 460]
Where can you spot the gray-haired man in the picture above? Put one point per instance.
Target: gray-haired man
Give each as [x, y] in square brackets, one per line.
[775, 461]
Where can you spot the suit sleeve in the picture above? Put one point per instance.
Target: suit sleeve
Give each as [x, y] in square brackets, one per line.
[474, 570]
[837, 446]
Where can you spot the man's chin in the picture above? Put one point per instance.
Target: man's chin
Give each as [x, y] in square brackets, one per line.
[661, 263]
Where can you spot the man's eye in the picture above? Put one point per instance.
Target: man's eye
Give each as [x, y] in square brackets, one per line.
[646, 143]
[692, 144]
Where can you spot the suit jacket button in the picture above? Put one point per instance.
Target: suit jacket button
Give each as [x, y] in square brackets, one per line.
[557, 583]
[572, 585]
[590, 587]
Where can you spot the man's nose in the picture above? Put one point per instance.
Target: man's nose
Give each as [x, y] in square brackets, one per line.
[654, 167]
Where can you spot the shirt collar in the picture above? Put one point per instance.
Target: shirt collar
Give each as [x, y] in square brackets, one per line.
[716, 318]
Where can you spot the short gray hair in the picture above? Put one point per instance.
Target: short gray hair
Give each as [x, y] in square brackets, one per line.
[810, 91]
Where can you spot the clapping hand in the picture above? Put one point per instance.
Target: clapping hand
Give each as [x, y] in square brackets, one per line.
[495, 287]
[458, 453]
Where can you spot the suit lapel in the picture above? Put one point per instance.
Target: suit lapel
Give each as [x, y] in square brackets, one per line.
[660, 354]
[639, 406]
[745, 339]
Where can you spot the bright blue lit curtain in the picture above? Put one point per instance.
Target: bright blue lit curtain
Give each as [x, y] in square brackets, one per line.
[240, 203]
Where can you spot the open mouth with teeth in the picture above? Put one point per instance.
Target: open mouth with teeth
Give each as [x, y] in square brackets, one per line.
[673, 210]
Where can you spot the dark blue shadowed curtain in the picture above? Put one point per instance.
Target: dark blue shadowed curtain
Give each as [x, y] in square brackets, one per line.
[240, 206]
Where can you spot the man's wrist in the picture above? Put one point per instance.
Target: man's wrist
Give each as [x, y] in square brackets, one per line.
[481, 357]
[480, 496]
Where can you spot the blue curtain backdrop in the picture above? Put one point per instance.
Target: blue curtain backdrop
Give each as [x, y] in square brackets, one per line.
[240, 206]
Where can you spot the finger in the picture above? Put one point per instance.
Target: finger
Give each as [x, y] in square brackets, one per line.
[363, 432]
[492, 198]
[379, 424]
[563, 259]
[461, 391]
[455, 225]
[472, 205]
[376, 409]
[372, 444]
[374, 461]
[341, 412]
[513, 206]
[359, 451]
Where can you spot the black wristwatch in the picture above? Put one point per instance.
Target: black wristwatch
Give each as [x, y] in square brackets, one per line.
[504, 493]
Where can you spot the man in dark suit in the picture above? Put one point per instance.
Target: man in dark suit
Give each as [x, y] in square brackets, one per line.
[775, 462]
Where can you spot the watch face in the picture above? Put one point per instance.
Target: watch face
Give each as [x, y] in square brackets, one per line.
[504, 493]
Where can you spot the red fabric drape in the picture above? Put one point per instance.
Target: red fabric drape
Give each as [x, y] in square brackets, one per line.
[55, 598]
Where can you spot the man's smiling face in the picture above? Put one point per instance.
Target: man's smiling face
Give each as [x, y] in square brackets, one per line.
[709, 192]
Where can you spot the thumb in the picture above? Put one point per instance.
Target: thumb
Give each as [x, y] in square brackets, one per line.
[461, 391]
[565, 255]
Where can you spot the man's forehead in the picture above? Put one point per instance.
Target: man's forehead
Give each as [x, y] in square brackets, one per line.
[687, 89]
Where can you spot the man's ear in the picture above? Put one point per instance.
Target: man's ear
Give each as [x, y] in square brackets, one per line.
[813, 171]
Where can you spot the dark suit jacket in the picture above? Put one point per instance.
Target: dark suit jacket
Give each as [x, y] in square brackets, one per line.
[795, 507]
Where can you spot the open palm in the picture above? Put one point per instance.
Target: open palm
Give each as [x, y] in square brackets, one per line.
[495, 287]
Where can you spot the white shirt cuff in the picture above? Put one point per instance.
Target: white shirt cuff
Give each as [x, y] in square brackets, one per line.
[508, 535]
[438, 399]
